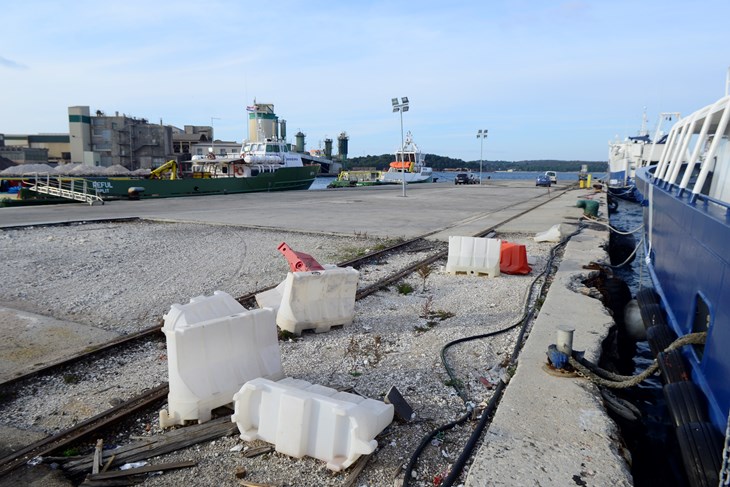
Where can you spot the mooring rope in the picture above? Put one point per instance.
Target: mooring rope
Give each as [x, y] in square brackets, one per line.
[613, 229]
[631, 256]
[605, 378]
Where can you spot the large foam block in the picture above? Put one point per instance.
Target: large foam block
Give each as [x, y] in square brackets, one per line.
[300, 419]
[201, 308]
[212, 352]
[474, 255]
[316, 300]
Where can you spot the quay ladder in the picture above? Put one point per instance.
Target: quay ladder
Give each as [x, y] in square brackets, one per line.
[74, 189]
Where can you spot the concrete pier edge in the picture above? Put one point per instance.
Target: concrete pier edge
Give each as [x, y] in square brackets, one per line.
[550, 430]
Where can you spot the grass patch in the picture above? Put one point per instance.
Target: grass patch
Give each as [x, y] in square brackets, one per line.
[71, 379]
[432, 317]
[404, 288]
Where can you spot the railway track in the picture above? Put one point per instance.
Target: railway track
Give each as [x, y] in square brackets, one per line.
[151, 397]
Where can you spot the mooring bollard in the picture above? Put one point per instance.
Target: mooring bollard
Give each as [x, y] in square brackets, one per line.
[565, 339]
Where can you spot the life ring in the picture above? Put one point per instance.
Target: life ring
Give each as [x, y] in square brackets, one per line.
[238, 171]
[211, 155]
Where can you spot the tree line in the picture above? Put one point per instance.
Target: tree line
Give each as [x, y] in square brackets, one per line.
[441, 163]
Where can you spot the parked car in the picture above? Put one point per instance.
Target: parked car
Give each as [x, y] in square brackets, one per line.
[543, 180]
[464, 178]
[553, 176]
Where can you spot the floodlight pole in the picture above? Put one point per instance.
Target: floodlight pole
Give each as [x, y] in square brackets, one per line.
[212, 134]
[401, 107]
[481, 134]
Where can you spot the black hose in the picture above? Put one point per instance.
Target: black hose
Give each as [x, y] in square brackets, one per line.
[427, 439]
[474, 438]
[476, 434]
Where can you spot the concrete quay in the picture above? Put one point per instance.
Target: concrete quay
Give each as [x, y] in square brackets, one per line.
[547, 430]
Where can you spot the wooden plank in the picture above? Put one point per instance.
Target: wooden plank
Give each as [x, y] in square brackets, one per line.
[161, 444]
[355, 472]
[108, 463]
[96, 465]
[146, 469]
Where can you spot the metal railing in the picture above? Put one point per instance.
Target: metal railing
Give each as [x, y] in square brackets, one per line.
[70, 188]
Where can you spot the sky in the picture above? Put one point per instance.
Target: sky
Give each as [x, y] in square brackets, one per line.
[547, 79]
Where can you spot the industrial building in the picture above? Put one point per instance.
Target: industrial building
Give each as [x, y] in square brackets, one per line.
[105, 140]
[35, 149]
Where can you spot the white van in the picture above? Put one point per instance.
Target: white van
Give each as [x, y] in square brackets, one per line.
[553, 176]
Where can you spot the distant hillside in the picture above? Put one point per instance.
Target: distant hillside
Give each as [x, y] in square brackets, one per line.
[440, 163]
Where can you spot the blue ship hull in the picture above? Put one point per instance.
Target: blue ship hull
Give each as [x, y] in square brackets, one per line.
[687, 244]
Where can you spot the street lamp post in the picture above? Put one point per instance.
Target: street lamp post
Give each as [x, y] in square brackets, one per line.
[401, 107]
[481, 134]
[212, 134]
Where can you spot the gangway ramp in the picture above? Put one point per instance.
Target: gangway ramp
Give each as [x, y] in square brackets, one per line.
[73, 189]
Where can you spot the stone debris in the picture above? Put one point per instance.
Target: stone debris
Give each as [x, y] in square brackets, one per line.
[122, 277]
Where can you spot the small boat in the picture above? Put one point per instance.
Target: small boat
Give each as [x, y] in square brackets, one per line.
[348, 179]
[260, 167]
[686, 212]
[409, 165]
[625, 156]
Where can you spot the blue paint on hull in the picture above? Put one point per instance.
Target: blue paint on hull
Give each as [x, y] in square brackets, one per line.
[689, 258]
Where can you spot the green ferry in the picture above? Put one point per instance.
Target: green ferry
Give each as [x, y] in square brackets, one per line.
[260, 167]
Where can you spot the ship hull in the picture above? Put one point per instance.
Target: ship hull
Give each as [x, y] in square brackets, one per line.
[690, 267]
[285, 179]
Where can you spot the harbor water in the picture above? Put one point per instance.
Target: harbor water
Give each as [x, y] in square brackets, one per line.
[443, 177]
[655, 458]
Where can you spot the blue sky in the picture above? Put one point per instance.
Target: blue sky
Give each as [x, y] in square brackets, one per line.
[548, 79]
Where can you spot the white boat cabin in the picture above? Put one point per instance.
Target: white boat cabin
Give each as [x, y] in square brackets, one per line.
[253, 159]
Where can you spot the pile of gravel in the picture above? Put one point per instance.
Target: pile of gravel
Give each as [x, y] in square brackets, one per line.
[123, 277]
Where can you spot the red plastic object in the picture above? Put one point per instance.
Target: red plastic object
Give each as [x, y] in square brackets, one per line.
[513, 259]
[299, 261]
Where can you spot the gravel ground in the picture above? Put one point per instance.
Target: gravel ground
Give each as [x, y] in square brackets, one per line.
[124, 276]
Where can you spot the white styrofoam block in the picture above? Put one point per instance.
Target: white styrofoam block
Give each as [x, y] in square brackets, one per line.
[271, 298]
[474, 255]
[553, 234]
[201, 308]
[208, 361]
[315, 300]
[300, 419]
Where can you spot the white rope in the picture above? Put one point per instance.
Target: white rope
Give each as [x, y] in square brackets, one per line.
[631, 256]
[613, 229]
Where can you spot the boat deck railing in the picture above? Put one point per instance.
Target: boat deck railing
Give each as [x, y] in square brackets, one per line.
[69, 188]
[692, 148]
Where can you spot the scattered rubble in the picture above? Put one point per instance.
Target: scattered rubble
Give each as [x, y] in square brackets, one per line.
[125, 276]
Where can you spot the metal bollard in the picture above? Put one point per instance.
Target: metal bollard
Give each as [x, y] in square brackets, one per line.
[565, 339]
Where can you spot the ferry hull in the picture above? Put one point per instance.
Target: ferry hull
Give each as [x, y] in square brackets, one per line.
[689, 264]
[285, 179]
